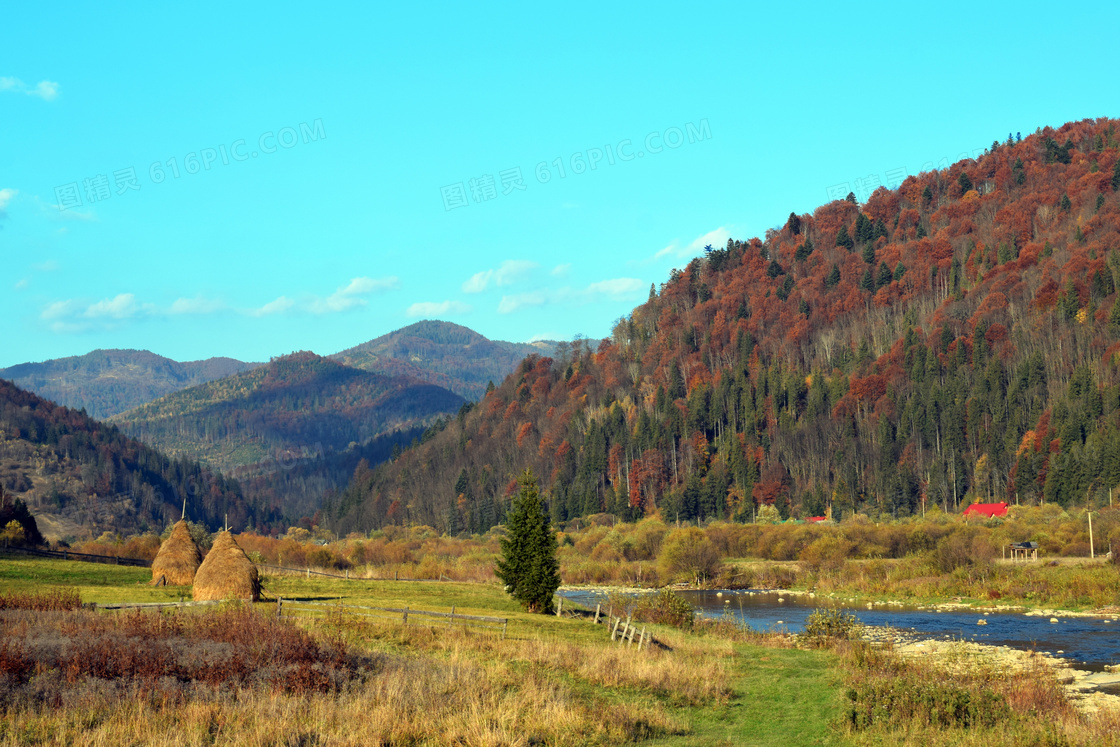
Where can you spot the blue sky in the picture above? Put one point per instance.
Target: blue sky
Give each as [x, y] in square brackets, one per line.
[345, 170]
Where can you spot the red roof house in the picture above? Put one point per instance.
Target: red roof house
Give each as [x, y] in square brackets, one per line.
[986, 510]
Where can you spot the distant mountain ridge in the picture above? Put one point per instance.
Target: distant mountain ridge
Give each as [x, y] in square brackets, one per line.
[81, 477]
[292, 409]
[107, 382]
[447, 354]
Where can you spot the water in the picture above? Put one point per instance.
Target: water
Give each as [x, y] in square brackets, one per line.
[1087, 643]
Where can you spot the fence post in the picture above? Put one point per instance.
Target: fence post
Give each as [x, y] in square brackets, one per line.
[630, 641]
[395, 572]
[451, 620]
[597, 608]
[504, 623]
[642, 640]
[614, 630]
[404, 617]
[308, 571]
[65, 555]
[559, 606]
[279, 607]
[347, 574]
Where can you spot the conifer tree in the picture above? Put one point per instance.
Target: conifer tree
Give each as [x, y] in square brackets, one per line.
[843, 239]
[833, 278]
[528, 564]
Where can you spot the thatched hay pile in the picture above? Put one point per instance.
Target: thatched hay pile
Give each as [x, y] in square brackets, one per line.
[227, 573]
[178, 558]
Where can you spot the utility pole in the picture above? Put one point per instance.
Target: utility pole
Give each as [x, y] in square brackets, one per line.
[1091, 553]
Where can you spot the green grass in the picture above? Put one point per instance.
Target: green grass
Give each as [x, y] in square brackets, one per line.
[782, 697]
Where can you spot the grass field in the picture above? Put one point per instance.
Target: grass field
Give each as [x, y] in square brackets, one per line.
[707, 690]
[552, 680]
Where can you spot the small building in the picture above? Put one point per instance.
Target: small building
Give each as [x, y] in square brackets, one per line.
[986, 510]
[1024, 551]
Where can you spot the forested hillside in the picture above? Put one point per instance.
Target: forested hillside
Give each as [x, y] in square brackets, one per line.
[442, 353]
[953, 339]
[81, 477]
[106, 382]
[295, 408]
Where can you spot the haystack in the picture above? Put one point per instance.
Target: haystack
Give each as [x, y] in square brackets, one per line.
[227, 573]
[178, 558]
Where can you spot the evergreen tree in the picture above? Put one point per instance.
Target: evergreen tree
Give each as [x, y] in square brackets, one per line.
[867, 282]
[869, 253]
[1116, 177]
[843, 239]
[833, 278]
[528, 564]
[965, 182]
[1065, 202]
[927, 194]
[885, 275]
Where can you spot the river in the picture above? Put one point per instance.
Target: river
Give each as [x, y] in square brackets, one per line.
[1087, 643]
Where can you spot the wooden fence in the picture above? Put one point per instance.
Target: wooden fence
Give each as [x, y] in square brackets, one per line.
[622, 631]
[152, 605]
[346, 575]
[296, 608]
[82, 556]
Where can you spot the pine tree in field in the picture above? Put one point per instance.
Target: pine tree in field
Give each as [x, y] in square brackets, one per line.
[528, 564]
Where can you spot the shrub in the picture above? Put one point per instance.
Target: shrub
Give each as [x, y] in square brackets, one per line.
[828, 554]
[665, 608]
[826, 626]
[688, 554]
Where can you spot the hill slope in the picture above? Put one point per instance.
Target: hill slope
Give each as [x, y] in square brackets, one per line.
[953, 339]
[446, 354]
[81, 477]
[106, 382]
[294, 408]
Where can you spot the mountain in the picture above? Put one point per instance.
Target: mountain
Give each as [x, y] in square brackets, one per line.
[446, 354]
[81, 477]
[957, 338]
[106, 382]
[295, 408]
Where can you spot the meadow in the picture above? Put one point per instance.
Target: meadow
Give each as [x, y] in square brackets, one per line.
[920, 560]
[234, 674]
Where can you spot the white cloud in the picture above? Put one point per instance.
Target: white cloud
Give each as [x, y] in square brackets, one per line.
[121, 306]
[351, 296]
[280, 305]
[47, 90]
[6, 196]
[615, 289]
[49, 266]
[509, 272]
[478, 282]
[60, 309]
[196, 305]
[431, 309]
[561, 271]
[510, 304]
[675, 250]
[23, 283]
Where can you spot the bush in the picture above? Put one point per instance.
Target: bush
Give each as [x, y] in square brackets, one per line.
[826, 626]
[688, 554]
[828, 554]
[664, 608]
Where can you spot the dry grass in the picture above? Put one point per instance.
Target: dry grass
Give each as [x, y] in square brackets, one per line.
[236, 676]
[226, 573]
[178, 558]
